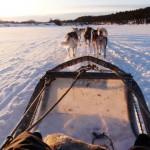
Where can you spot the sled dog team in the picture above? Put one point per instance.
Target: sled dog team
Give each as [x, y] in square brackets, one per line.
[98, 38]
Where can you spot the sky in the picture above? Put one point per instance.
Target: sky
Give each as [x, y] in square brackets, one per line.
[64, 9]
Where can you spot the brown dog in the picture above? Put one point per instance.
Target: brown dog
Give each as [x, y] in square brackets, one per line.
[99, 41]
[87, 35]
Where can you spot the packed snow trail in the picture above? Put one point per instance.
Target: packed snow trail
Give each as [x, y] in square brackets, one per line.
[28, 52]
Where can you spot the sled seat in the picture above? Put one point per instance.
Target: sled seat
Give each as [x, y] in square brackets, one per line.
[92, 105]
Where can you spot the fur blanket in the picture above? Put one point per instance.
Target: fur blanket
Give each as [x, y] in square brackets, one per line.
[64, 142]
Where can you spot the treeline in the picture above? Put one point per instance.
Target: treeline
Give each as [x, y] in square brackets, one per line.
[23, 22]
[138, 16]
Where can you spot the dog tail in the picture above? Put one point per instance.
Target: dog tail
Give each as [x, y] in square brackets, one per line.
[63, 44]
[105, 32]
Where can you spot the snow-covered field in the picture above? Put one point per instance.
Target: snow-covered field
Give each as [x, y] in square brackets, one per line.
[27, 52]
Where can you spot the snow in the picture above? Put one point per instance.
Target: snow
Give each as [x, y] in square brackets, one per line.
[26, 53]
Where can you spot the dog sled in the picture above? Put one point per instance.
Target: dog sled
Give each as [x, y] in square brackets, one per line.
[90, 100]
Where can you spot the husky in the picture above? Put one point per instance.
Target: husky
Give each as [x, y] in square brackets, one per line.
[99, 41]
[70, 43]
[87, 35]
[79, 32]
[94, 41]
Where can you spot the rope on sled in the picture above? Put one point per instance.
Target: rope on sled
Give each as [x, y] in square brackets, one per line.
[11, 136]
[102, 135]
[138, 97]
[80, 71]
[58, 101]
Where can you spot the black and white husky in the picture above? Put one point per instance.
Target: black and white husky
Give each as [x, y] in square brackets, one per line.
[70, 43]
[99, 41]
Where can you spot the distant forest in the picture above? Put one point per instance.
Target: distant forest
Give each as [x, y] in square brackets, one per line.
[138, 16]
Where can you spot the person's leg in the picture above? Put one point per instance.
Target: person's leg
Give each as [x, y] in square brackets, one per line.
[38, 135]
[28, 141]
[142, 140]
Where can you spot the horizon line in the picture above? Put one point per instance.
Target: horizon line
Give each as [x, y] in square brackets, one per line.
[67, 16]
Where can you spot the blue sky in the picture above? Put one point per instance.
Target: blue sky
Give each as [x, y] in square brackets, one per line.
[64, 9]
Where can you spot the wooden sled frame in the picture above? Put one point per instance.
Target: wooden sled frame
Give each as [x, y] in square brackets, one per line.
[133, 89]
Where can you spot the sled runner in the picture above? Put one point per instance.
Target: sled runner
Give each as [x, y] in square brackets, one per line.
[88, 99]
